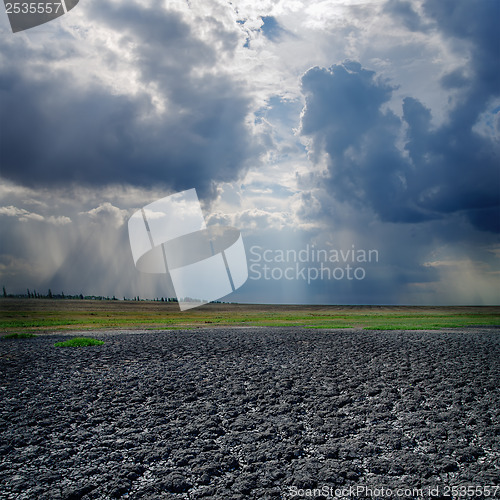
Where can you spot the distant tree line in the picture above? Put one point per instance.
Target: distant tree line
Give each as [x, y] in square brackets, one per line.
[161, 299]
[34, 294]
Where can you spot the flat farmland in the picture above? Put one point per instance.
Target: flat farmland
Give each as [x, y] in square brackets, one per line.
[46, 315]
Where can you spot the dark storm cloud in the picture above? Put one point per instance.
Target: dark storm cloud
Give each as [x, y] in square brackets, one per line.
[57, 133]
[449, 169]
[405, 12]
[343, 114]
[473, 20]
[469, 163]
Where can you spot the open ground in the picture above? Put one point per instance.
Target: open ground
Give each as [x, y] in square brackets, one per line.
[39, 315]
[248, 412]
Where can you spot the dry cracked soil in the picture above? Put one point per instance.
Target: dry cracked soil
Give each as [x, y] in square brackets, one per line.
[251, 413]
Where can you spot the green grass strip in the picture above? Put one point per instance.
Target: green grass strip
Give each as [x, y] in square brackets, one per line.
[18, 336]
[79, 342]
[58, 315]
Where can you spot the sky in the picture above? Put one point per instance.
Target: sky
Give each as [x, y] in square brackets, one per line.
[355, 144]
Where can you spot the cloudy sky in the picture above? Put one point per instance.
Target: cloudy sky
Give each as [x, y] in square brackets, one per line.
[334, 125]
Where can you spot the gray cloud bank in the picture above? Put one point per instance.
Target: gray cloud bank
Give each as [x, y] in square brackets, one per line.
[441, 170]
[56, 132]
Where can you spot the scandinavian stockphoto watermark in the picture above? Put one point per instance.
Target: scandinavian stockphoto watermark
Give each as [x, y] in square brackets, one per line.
[28, 14]
[205, 263]
[310, 263]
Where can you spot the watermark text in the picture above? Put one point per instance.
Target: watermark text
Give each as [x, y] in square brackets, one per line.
[310, 263]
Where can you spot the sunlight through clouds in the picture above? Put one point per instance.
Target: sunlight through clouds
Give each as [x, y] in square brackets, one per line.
[342, 122]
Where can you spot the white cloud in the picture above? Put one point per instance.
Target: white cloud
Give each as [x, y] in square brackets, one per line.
[24, 215]
[60, 220]
[106, 213]
[255, 219]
